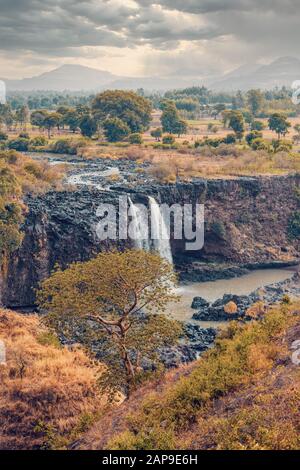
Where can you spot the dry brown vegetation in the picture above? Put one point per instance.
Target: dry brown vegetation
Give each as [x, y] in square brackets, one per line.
[49, 394]
[243, 394]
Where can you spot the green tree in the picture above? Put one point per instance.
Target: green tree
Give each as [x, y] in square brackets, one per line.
[113, 291]
[253, 135]
[22, 116]
[134, 110]
[88, 126]
[37, 118]
[255, 101]
[278, 123]
[237, 124]
[157, 133]
[51, 120]
[72, 119]
[170, 119]
[115, 129]
[257, 126]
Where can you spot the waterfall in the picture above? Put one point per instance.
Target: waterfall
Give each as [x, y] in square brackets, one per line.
[160, 236]
[139, 227]
[160, 240]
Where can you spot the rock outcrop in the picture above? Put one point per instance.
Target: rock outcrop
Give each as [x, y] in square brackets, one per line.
[246, 226]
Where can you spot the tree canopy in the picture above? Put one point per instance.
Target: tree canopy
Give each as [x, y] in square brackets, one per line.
[134, 110]
[122, 294]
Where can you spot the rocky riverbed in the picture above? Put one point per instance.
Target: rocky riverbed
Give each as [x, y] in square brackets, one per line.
[268, 295]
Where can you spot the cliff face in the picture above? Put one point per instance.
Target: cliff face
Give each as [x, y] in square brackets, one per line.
[246, 222]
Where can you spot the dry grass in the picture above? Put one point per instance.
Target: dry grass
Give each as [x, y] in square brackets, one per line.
[243, 394]
[48, 393]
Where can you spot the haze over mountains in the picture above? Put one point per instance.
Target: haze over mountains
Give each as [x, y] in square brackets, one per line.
[281, 72]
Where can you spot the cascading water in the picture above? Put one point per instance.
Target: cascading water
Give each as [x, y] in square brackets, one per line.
[139, 227]
[160, 240]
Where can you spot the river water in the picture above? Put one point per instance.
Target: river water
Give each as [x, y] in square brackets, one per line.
[213, 290]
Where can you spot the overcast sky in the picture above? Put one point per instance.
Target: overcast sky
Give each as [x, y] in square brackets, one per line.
[139, 37]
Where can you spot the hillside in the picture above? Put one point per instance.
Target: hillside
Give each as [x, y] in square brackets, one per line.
[243, 394]
[72, 77]
[281, 72]
[48, 393]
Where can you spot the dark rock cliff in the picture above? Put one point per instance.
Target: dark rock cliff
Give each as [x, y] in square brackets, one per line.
[246, 222]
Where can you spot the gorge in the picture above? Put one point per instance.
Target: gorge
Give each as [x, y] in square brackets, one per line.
[246, 227]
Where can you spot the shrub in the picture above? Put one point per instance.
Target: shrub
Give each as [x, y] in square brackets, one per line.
[68, 146]
[3, 136]
[168, 139]
[38, 141]
[219, 230]
[135, 139]
[21, 145]
[24, 135]
[230, 139]
[294, 226]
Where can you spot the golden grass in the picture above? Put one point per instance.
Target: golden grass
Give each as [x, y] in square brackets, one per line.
[47, 392]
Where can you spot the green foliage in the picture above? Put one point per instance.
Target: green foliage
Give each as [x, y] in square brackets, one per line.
[20, 145]
[253, 135]
[257, 126]
[279, 124]
[132, 109]
[88, 126]
[136, 139]
[68, 146]
[294, 225]
[255, 101]
[106, 299]
[226, 368]
[171, 121]
[157, 133]
[115, 129]
[168, 139]
[3, 136]
[219, 230]
[237, 123]
[38, 141]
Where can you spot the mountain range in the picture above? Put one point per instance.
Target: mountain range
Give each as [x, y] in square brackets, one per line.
[281, 72]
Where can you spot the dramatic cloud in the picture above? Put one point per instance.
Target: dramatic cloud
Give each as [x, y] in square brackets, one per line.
[174, 35]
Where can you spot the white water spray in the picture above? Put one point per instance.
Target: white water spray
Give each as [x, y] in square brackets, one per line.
[160, 240]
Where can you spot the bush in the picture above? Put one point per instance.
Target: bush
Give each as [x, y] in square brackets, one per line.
[260, 144]
[68, 146]
[3, 136]
[135, 139]
[229, 139]
[24, 135]
[38, 141]
[219, 230]
[168, 139]
[21, 145]
[294, 226]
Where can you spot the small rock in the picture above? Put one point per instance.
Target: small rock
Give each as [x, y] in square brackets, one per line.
[199, 302]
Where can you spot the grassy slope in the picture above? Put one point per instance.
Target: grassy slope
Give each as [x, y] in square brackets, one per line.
[244, 394]
[48, 393]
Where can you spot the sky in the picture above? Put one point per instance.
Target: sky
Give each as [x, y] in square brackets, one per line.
[192, 38]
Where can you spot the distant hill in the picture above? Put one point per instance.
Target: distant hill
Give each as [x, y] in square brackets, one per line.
[80, 78]
[281, 72]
